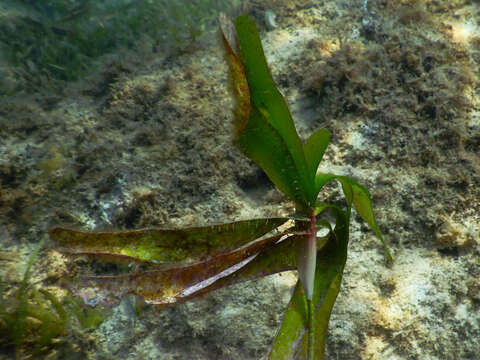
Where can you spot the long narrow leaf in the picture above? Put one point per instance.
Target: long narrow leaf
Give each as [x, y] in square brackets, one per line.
[266, 133]
[237, 72]
[315, 148]
[262, 143]
[164, 245]
[361, 201]
[274, 259]
[170, 286]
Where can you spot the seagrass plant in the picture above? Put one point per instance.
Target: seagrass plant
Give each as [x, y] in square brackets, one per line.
[180, 264]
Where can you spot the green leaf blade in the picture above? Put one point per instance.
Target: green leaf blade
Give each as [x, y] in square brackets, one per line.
[360, 198]
[291, 339]
[266, 147]
[163, 245]
[288, 339]
[321, 179]
[263, 91]
[164, 287]
[268, 110]
[362, 202]
[314, 149]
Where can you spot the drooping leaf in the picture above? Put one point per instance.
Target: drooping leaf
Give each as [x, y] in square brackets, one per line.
[266, 133]
[163, 245]
[361, 201]
[321, 179]
[277, 258]
[274, 259]
[291, 340]
[170, 286]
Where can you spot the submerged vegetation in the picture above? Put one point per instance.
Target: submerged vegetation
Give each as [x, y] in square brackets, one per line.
[61, 39]
[33, 320]
[175, 265]
[148, 148]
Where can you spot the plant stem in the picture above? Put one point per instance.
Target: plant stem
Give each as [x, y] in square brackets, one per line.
[311, 333]
[312, 240]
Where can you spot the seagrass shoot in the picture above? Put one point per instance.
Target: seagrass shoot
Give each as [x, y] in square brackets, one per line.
[181, 264]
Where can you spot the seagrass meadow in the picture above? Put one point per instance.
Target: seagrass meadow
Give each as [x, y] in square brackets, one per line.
[113, 118]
